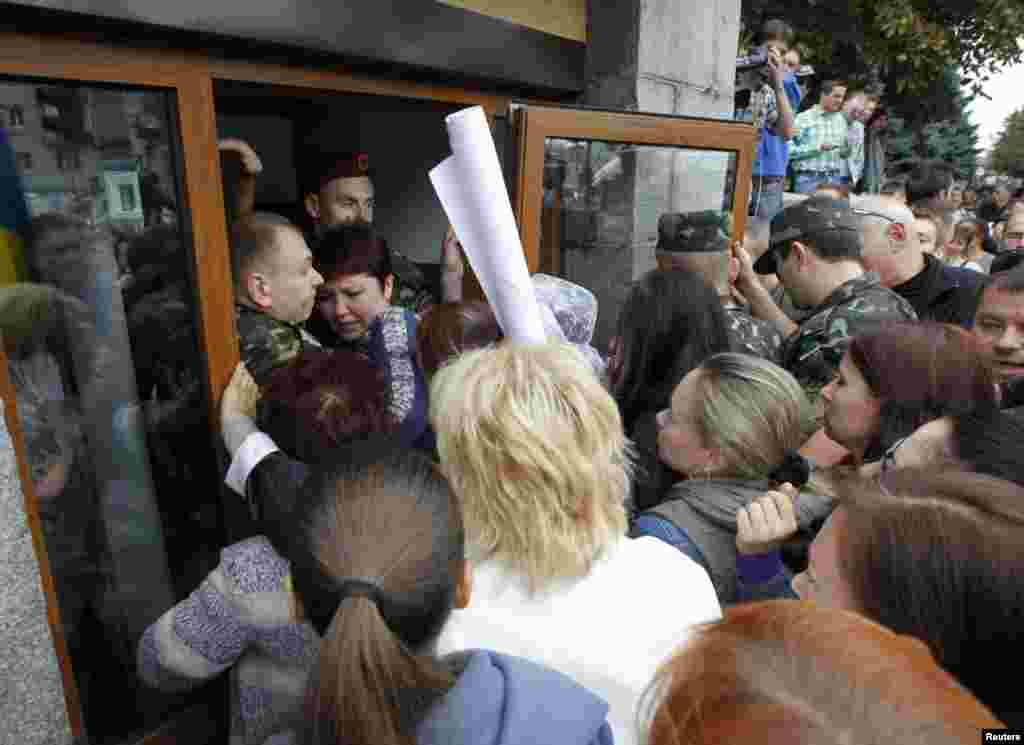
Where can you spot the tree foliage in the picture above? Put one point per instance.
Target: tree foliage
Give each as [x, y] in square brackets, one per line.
[1008, 151]
[905, 44]
[935, 125]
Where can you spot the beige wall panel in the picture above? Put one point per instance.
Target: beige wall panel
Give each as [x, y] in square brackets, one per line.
[566, 18]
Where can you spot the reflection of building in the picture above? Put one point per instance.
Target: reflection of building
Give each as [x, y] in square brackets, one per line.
[92, 152]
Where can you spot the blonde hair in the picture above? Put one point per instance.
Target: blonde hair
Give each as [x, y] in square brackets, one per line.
[533, 446]
[753, 412]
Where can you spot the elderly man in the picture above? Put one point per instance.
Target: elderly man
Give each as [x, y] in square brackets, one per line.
[892, 250]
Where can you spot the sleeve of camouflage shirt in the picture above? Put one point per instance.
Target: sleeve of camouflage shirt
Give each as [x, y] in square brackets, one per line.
[265, 344]
[813, 353]
[863, 314]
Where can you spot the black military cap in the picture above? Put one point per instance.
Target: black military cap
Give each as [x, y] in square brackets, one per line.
[807, 218]
[693, 232]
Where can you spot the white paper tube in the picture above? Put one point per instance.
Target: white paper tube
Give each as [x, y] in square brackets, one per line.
[472, 191]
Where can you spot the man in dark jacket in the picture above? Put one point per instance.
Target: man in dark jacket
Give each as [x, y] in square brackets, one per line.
[937, 291]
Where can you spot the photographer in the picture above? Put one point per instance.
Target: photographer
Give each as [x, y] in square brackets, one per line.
[768, 94]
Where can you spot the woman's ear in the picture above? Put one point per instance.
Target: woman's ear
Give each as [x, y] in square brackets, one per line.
[464, 589]
[389, 287]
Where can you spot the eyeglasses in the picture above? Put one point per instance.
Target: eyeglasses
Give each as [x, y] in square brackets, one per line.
[865, 213]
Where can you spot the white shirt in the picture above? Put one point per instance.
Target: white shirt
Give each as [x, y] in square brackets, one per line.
[609, 631]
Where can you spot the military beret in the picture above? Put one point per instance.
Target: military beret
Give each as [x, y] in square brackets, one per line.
[693, 232]
[346, 165]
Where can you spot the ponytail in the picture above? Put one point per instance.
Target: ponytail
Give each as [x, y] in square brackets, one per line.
[375, 564]
[369, 688]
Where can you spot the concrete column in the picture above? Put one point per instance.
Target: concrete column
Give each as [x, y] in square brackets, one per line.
[663, 57]
[32, 709]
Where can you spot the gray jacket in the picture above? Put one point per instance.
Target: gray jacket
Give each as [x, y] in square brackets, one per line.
[705, 510]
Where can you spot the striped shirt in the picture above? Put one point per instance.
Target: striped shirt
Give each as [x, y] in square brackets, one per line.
[815, 128]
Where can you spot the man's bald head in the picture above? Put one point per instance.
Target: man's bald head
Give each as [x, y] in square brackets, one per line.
[273, 267]
[887, 232]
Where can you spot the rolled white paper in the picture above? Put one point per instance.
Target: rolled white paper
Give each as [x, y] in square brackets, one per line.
[472, 191]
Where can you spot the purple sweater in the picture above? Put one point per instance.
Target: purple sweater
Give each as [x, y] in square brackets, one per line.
[241, 617]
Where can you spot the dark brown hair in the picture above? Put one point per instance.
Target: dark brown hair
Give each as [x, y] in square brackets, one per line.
[786, 672]
[450, 329]
[920, 372]
[321, 401]
[352, 249]
[384, 517]
[940, 556]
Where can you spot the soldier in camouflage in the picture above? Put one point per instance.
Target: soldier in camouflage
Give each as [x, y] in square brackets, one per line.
[275, 291]
[815, 251]
[697, 242]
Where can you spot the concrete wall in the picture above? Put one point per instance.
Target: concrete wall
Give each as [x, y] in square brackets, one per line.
[32, 709]
[663, 57]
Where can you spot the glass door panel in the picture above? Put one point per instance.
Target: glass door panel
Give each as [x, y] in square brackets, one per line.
[593, 184]
[104, 355]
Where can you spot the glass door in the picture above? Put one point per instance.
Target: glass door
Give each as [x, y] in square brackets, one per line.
[591, 186]
[104, 338]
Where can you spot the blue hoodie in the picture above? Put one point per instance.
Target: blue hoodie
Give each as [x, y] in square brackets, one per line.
[502, 700]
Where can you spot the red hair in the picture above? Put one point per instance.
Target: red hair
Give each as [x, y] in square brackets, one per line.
[785, 672]
[920, 372]
[322, 400]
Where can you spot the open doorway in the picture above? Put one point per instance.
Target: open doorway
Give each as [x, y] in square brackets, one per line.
[403, 137]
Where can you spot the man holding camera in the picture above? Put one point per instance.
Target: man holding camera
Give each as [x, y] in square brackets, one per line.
[773, 97]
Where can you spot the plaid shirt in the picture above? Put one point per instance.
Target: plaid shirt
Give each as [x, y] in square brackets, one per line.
[815, 128]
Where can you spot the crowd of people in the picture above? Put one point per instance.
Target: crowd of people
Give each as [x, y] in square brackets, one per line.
[786, 504]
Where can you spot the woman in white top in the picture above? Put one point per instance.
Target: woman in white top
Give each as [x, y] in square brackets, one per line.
[534, 449]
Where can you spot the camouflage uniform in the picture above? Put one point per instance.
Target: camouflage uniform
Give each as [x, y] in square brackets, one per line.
[267, 343]
[813, 353]
[750, 335]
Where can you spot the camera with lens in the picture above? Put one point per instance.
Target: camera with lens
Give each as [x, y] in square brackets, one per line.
[751, 73]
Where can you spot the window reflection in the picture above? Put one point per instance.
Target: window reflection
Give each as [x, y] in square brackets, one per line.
[602, 201]
[103, 354]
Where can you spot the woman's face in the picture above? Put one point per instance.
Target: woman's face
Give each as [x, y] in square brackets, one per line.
[350, 302]
[851, 408]
[680, 440]
[823, 581]
[959, 245]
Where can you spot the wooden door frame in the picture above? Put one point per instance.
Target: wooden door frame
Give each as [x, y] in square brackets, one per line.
[190, 76]
[533, 124]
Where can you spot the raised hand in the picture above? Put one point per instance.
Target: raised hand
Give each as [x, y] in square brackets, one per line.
[767, 522]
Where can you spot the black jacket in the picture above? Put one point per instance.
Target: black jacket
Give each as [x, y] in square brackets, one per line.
[943, 293]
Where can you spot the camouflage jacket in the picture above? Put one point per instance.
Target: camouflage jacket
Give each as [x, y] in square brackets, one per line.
[266, 343]
[750, 335]
[813, 353]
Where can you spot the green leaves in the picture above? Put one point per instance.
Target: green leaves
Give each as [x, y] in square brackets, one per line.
[1008, 151]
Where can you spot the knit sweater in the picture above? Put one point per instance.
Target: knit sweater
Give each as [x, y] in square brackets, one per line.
[241, 617]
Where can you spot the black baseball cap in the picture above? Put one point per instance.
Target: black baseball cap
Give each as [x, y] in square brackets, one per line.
[693, 232]
[810, 217]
